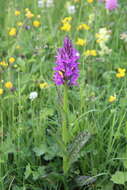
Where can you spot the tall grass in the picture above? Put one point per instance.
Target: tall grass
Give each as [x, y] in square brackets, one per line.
[31, 144]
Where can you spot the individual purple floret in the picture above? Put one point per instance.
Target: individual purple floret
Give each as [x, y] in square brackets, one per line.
[111, 4]
[66, 70]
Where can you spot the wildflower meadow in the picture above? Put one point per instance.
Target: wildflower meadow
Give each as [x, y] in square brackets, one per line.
[63, 94]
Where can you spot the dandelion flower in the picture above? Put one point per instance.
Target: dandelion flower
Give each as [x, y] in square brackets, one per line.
[36, 23]
[11, 60]
[17, 13]
[8, 85]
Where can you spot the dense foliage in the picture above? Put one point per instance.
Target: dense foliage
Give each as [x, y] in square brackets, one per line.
[42, 146]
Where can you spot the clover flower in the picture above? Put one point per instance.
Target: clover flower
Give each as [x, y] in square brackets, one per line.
[111, 4]
[70, 8]
[66, 70]
[123, 36]
[33, 95]
[47, 3]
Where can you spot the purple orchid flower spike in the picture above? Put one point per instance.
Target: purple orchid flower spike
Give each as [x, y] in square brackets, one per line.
[66, 69]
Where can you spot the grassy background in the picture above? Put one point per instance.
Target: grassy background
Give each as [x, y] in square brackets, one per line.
[30, 131]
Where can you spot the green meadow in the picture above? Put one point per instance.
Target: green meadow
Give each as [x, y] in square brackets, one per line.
[63, 137]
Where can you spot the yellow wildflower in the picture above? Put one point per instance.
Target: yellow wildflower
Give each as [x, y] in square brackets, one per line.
[91, 18]
[76, 1]
[29, 14]
[12, 32]
[38, 16]
[3, 63]
[90, 1]
[66, 19]
[61, 74]
[19, 23]
[43, 85]
[27, 9]
[80, 42]
[18, 47]
[112, 99]
[1, 91]
[15, 66]
[8, 85]
[66, 27]
[36, 23]
[83, 27]
[103, 35]
[121, 73]
[17, 13]
[11, 60]
[121, 70]
[90, 53]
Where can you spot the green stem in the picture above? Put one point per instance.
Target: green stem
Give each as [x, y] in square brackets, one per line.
[65, 115]
[65, 131]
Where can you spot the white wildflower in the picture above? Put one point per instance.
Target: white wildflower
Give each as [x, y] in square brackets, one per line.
[71, 9]
[49, 3]
[45, 3]
[33, 95]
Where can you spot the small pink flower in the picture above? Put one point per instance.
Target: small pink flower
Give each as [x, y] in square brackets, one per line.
[111, 4]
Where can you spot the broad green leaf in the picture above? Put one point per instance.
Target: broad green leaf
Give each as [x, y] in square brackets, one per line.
[78, 143]
[84, 180]
[28, 171]
[119, 177]
[40, 150]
